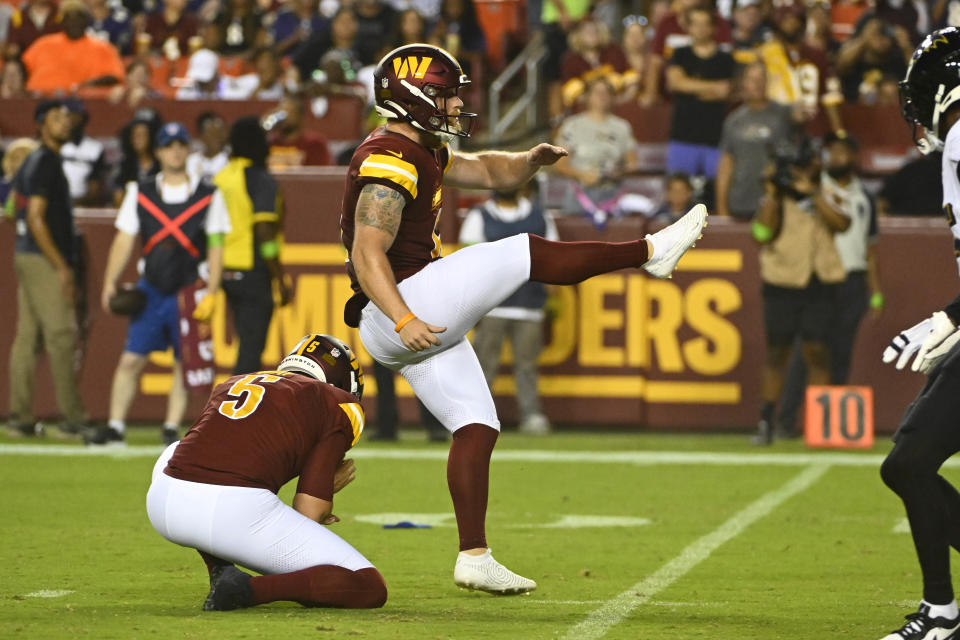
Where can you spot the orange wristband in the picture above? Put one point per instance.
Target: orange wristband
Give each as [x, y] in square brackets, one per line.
[404, 321]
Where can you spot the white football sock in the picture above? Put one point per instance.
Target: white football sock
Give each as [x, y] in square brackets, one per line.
[949, 611]
[119, 425]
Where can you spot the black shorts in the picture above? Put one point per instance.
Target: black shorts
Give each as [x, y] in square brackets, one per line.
[805, 313]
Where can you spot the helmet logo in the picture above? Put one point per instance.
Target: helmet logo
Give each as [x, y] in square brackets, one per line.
[933, 43]
[411, 64]
[384, 83]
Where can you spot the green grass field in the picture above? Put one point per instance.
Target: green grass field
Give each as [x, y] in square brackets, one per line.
[723, 542]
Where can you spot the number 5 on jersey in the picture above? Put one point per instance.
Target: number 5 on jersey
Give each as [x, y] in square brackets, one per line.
[248, 394]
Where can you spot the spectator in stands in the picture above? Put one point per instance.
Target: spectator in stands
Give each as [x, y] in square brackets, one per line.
[747, 30]
[672, 33]
[375, 22]
[137, 161]
[265, 83]
[746, 139]
[902, 14]
[457, 30]
[33, 19]
[914, 190]
[240, 25]
[700, 78]
[798, 74]
[72, 59]
[844, 15]
[800, 268]
[292, 145]
[203, 76]
[83, 159]
[602, 150]
[678, 198]
[590, 55]
[251, 250]
[172, 262]
[819, 33]
[111, 23]
[137, 87]
[557, 20]
[521, 316]
[13, 79]
[170, 29]
[869, 55]
[212, 156]
[45, 261]
[295, 24]
[340, 43]
[636, 51]
[408, 27]
[13, 157]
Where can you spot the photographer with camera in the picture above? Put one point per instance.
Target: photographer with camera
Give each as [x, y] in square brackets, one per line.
[800, 268]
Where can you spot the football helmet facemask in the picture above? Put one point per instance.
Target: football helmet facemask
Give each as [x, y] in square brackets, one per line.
[931, 86]
[326, 359]
[412, 84]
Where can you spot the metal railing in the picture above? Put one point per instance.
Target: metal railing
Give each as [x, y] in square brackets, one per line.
[528, 103]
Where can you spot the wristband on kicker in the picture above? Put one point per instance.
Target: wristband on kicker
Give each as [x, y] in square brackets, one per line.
[404, 321]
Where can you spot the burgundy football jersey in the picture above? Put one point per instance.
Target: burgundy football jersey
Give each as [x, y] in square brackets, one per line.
[396, 161]
[266, 428]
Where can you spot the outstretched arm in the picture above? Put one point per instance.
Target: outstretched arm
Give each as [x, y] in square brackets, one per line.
[500, 169]
[377, 219]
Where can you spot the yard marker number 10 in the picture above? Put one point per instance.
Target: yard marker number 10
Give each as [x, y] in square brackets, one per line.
[839, 417]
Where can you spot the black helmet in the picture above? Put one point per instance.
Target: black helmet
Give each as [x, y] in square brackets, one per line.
[327, 359]
[932, 85]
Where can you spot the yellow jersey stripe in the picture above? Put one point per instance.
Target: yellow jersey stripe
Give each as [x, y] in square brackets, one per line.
[402, 178]
[408, 168]
[355, 414]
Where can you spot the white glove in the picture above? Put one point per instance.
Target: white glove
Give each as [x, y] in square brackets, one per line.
[938, 353]
[907, 343]
[942, 327]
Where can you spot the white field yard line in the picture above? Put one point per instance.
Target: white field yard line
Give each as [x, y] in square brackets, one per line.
[640, 458]
[616, 609]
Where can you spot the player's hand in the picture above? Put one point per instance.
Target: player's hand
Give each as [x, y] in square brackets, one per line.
[545, 154]
[907, 343]
[941, 330]
[935, 355]
[417, 335]
[344, 475]
[109, 290]
[204, 309]
[330, 519]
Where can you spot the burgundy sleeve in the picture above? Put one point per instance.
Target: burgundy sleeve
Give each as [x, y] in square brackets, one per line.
[316, 477]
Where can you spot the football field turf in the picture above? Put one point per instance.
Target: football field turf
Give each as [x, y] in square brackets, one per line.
[628, 536]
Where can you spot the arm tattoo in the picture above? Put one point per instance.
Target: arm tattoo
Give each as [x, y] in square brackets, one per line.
[380, 207]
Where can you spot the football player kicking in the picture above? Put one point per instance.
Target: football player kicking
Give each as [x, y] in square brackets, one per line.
[216, 490]
[929, 432]
[414, 310]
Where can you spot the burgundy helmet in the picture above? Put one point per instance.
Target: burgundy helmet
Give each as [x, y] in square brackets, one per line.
[327, 359]
[411, 83]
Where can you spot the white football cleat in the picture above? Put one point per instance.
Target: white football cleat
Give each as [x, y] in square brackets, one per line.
[486, 574]
[673, 241]
[920, 626]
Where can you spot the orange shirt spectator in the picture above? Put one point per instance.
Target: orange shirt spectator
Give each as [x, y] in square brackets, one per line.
[57, 62]
[71, 59]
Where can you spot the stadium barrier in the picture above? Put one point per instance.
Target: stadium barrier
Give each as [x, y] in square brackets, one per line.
[623, 351]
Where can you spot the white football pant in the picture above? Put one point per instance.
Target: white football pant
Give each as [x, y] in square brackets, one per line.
[248, 526]
[454, 292]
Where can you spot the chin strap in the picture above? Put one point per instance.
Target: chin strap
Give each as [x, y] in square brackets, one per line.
[932, 141]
